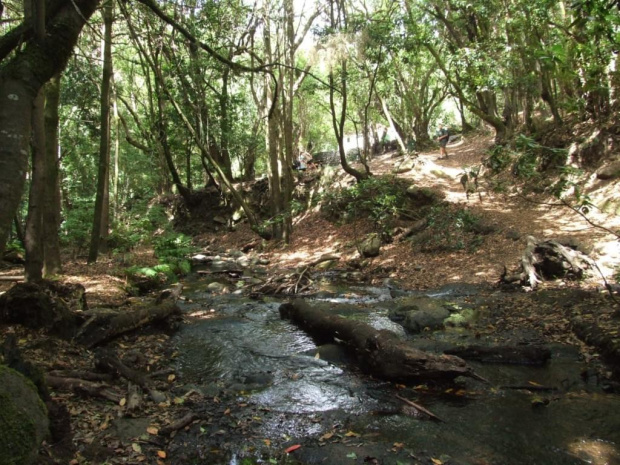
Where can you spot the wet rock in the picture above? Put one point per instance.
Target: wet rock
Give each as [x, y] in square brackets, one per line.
[333, 353]
[201, 258]
[461, 319]
[419, 313]
[216, 287]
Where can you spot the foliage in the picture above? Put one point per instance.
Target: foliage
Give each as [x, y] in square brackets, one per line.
[449, 227]
[173, 251]
[377, 198]
[527, 160]
[76, 228]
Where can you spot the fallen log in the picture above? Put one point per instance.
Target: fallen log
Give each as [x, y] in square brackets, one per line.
[81, 386]
[380, 353]
[509, 355]
[106, 325]
[107, 361]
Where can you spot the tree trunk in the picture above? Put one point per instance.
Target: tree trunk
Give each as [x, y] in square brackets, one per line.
[34, 221]
[103, 326]
[381, 353]
[51, 212]
[100, 222]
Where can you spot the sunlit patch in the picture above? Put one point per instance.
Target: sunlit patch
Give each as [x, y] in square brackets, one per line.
[594, 451]
[203, 314]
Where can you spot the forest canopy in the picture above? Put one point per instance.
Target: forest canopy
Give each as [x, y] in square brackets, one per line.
[107, 105]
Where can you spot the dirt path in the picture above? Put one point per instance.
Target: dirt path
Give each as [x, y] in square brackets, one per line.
[513, 216]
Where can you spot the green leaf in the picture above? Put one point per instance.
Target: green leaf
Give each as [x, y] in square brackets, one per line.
[352, 456]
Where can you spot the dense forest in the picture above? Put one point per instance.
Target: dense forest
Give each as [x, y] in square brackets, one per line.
[144, 100]
[141, 140]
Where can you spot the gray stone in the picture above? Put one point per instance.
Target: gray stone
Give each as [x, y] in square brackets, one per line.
[244, 261]
[370, 246]
[220, 220]
[419, 313]
[609, 171]
[216, 287]
[461, 319]
[423, 196]
[405, 166]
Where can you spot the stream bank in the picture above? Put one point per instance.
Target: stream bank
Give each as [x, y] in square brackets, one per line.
[259, 386]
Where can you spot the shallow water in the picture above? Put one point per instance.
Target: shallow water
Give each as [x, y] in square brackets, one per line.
[244, 345]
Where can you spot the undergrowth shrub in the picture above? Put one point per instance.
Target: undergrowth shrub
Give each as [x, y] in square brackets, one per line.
[376, 198]
[449, 228]
[172, 251]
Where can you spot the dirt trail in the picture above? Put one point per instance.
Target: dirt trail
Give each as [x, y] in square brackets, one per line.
[514, 217]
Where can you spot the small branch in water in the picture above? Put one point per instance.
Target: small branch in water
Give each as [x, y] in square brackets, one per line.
[420, 408]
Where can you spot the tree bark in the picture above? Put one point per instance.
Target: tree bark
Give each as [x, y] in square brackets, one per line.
[35, 12]
[103, 326]
[101, 216]
[380, 353]
[51, 207]
[21, 78]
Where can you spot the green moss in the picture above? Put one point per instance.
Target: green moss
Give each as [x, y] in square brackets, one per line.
[23, 419]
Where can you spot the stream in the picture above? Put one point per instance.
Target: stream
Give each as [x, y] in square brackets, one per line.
[267, 386]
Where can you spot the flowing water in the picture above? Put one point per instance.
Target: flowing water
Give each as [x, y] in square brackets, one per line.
[235, 344]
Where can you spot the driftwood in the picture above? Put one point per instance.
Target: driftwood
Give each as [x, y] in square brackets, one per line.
[179, 423]
[294, 283]
[548, 259]
[80, 374]
[510, 355]
[107, 361]
[81, 386]
[420, 408]
[13, 278]
[106, 325]
[380, 353]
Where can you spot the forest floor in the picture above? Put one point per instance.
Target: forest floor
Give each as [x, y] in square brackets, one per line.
[514, 217]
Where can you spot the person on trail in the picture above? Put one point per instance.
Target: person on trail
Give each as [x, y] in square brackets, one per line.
[443, 135]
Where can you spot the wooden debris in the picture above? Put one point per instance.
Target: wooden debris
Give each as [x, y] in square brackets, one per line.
[420, 408]
[510, 355]
[380, 353]
[106, 325]
[82, 386]
[548, 259]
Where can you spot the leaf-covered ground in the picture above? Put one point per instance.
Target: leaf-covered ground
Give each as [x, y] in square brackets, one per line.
[513, 217]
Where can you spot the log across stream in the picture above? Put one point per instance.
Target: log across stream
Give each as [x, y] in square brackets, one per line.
[380, 352]
[296, 389]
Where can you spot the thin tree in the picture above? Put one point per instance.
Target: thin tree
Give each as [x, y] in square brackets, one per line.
[101, 217]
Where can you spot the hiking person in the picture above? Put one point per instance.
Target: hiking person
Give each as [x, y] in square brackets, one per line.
[443, 135]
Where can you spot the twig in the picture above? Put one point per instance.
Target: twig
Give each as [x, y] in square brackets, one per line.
[420, 408]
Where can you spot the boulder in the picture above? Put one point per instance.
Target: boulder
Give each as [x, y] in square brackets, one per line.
[370, 246]
[406, 165]
[424, 196]
[23, 418]
[418, 313]
[609, 171]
